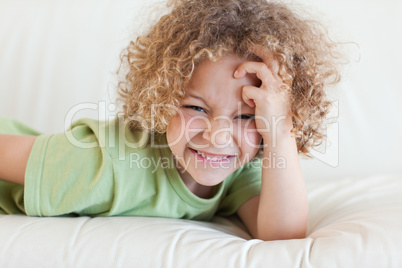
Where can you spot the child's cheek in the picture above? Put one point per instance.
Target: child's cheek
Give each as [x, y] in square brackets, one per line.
[195, 124]
[184, 126]
[174, 128]
[252, 138]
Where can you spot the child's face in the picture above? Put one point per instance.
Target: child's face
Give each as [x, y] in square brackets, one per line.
[213, 133]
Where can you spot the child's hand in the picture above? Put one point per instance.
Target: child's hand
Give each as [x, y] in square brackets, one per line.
[271, 101]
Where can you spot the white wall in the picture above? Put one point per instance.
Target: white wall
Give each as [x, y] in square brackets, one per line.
[59, 54]
[370, 95]
[55, 55]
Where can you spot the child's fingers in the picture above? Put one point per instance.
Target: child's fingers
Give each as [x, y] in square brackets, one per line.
[261, 70]
[267, 56]
[249, 95]
[258, 68]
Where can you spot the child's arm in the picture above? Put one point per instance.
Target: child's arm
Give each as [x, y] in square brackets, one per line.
[14, 154]
[280, 211]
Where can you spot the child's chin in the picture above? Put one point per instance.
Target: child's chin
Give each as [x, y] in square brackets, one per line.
[212, 179]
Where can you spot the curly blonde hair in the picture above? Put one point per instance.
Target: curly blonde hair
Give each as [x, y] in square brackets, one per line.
[161, 63]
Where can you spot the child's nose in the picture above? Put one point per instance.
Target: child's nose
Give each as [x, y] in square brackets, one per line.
[219, 133]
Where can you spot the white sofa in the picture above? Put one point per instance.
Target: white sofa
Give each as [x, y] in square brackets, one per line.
[57, 64]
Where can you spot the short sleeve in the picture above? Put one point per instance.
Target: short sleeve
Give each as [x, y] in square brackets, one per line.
[11, 126]
[69, 173]
[243, 184]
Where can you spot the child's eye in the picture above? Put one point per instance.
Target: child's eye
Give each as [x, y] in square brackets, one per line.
[196, 108]
[246, 116]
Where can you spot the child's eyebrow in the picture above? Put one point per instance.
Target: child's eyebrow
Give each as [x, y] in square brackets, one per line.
[196, 97]
[243, 104]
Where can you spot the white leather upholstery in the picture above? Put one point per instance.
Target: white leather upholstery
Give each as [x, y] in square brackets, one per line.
[352, 223]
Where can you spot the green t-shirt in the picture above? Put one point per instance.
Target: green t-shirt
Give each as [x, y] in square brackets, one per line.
[104, 169]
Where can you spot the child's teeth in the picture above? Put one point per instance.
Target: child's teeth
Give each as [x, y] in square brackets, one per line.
[209, 158]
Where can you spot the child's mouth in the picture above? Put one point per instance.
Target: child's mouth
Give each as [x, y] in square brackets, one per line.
[211, 158]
